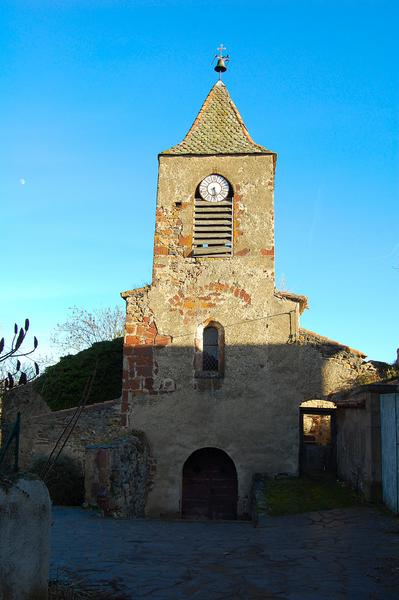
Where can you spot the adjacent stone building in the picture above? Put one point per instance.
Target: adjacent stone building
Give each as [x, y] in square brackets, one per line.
[216, 365]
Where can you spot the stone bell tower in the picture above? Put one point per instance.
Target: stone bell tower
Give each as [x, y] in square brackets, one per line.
[199, 373]
[233, 231]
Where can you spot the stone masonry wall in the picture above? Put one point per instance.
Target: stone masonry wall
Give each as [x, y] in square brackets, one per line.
[40, 427]
[185, 289]
[118, 476]
[270, 367]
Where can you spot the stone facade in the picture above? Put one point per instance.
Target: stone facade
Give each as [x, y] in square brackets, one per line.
[270, 365]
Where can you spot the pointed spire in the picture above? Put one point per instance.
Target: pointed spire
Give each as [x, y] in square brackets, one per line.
[218, 129]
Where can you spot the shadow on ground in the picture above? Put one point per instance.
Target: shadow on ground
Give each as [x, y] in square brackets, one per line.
[341, 553]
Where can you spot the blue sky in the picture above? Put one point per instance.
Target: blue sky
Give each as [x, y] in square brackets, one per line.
[90, 92]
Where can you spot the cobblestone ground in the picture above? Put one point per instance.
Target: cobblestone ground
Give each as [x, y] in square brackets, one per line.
[344, 554]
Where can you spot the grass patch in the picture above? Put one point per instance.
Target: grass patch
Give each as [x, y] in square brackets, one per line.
[302, 494]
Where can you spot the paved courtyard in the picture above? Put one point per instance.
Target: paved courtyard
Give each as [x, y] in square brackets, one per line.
[349, 554]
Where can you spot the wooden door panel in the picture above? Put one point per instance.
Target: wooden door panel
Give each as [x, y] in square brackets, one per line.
[209, 485]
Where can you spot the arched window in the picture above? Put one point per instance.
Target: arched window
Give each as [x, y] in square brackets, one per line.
[213, 218]
[210, 349]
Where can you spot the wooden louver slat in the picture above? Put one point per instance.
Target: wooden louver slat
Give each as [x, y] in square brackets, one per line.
[203, 236]
[211, 220]
[213, 228]
[220, 229]
[201, 203]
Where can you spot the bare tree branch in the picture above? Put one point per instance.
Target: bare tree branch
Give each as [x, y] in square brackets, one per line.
[12, 372]
[83, 328]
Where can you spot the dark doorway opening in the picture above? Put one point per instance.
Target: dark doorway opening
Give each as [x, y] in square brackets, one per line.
[209, 485]
[318, 442]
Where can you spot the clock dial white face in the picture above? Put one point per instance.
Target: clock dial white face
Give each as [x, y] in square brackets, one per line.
[214, 188]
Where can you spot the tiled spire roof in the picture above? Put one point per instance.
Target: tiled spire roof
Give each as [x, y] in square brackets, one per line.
[218, 129]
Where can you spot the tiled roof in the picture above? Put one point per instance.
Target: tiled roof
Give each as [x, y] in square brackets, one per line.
[218, 129]
[311, 337]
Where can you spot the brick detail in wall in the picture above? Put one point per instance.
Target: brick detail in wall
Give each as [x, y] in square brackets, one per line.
[168, 239]
[238, 215]
[205, 298]
[139, 362]
[267, 251]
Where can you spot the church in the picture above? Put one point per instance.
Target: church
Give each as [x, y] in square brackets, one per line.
[216, 365]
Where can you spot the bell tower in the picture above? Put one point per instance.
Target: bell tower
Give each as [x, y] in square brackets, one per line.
[215, 199]
[201, 342]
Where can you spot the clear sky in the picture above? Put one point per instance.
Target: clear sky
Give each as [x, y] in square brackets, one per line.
[91, 91]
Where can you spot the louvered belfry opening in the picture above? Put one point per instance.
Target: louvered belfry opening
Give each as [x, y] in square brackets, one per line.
[213, 227]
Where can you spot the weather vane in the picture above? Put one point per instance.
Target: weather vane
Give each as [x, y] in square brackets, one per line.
[222, 59]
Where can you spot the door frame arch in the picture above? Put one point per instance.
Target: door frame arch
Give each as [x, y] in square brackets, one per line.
[217, 487]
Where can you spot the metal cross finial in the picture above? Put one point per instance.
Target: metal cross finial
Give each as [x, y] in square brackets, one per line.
[222, 59]
[221, 48]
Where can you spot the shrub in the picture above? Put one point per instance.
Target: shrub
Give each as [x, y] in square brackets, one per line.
[65, 480]
[62, 385]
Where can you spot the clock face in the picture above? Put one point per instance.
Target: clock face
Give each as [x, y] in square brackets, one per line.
[214, 188]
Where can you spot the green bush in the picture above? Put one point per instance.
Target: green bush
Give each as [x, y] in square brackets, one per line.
[65, 480]
[62, 385]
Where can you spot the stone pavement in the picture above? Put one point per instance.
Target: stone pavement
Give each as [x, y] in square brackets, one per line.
[345, 554]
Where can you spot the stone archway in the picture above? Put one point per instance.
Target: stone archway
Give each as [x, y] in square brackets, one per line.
[209, 485]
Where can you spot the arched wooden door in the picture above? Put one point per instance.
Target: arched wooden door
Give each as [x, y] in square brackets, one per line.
[209, 485]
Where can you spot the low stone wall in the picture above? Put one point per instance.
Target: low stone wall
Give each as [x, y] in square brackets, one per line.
[117, 476]
[117, 470]
[25, 511]
[41, 427]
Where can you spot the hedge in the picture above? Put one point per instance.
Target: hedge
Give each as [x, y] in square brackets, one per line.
[62, 384]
